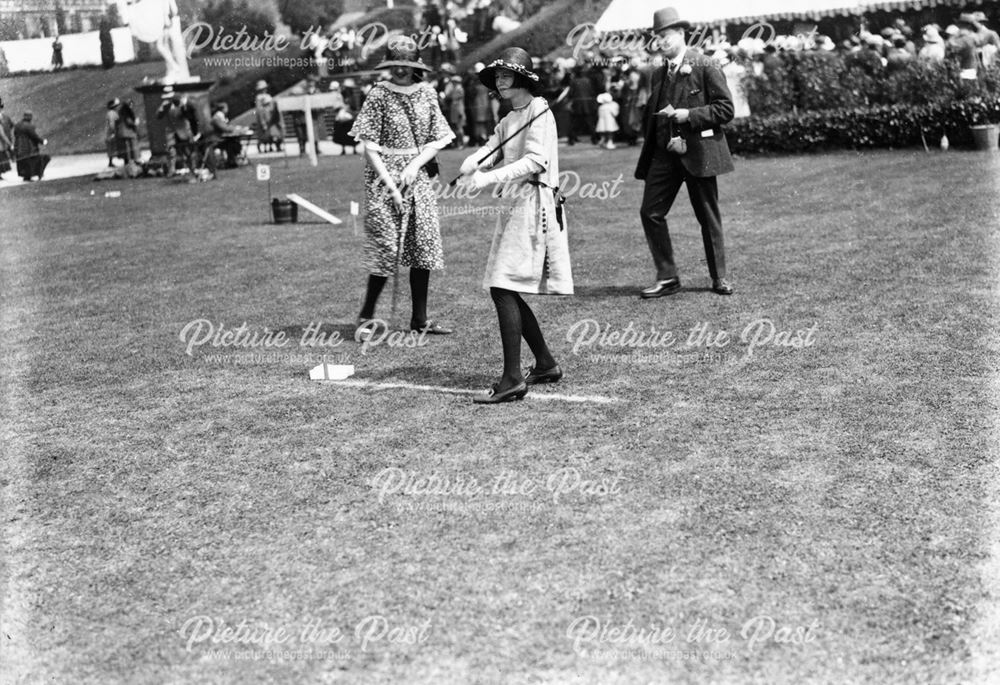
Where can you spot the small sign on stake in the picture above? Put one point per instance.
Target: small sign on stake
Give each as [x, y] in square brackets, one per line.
[355, 210]
[264, 174]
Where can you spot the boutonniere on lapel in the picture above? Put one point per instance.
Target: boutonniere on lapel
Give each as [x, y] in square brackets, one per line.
[685, 69]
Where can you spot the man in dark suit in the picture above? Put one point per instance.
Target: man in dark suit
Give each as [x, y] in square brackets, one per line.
[684, 143]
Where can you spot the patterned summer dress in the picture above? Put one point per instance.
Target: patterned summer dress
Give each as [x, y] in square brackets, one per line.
[398, 122]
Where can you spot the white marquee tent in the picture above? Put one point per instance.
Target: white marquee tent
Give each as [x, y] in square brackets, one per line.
[625, 15]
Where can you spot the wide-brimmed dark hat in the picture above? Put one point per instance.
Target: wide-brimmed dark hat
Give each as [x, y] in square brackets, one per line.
[516, 60]
[668, 18]
[401, 51]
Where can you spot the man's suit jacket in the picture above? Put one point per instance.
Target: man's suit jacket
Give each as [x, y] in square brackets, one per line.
[704, 93]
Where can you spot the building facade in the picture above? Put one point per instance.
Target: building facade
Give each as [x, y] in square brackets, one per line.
[41, 18]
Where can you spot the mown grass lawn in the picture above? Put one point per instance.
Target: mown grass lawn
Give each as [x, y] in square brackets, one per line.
[834, 496]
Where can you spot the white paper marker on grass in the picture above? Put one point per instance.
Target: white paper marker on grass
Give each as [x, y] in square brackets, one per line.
[307, 205]
[331, 372]
[355, 210]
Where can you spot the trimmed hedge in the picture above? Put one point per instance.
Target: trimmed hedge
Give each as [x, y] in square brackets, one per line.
[807, 81]
[892, 126]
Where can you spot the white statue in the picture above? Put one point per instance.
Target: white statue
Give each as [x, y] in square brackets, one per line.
[159, 22]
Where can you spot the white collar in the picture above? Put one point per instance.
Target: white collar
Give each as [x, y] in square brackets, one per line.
[405, 90]
[679, 59]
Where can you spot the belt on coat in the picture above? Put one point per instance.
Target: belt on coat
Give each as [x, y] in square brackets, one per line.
[399, 151]
[559, 198]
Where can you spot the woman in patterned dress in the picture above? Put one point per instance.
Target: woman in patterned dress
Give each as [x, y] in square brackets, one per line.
[530, 252]
[402, 128]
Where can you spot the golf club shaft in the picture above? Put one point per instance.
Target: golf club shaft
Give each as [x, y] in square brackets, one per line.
[548, 108]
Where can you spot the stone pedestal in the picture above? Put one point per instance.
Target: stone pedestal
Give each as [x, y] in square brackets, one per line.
[155, 94]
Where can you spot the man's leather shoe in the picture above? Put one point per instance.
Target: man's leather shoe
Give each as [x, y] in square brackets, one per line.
[722, 287]
[431, 328]
[535, 377]
[493, 397]
[667, 287]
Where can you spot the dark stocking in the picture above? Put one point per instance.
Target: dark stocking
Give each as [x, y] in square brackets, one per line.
[509, 317]
[375, 285]
[533, 335]
[419, 280]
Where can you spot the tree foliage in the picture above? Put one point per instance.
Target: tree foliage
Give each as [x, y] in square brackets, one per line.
[107, 44]
[300, 15]
[256, 18]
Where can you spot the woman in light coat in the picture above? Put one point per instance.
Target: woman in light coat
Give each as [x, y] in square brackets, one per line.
[530, 251]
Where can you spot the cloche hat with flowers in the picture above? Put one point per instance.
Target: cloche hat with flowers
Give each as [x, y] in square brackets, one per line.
[516, 60]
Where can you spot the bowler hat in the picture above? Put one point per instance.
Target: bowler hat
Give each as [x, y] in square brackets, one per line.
[516, 60]
[667, 18]
[401, 51]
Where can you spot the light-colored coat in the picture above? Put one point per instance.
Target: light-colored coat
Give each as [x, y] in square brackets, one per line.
[530, 250]
[607, 117]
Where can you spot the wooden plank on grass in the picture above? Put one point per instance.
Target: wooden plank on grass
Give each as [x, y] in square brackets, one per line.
[306, 204]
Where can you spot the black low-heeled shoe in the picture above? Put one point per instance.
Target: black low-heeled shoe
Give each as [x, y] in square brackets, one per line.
[510, 395]
[661, 288]
[535, 377]
[722, 287]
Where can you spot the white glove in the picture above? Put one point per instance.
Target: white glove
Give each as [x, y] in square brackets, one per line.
[481, 179]
[471, 162]
[514, 171]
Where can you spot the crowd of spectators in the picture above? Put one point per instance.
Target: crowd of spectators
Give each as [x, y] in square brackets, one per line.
[601, 97]
[587, 84]
[443, 30]
[198, 143]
